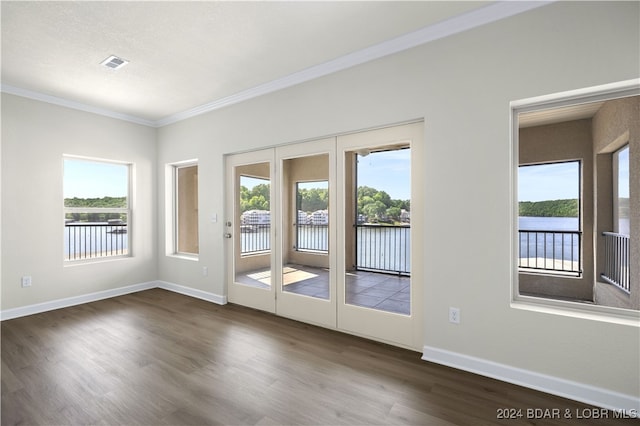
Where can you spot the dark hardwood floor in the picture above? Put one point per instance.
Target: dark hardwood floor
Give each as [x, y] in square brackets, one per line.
[160, 358]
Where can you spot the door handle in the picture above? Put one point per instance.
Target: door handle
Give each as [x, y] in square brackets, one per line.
[227, 235]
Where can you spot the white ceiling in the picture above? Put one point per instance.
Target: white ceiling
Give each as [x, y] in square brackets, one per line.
[189, 55]
[558, 115]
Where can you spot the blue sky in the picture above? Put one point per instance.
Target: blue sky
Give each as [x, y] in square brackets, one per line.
[388, 171]
[249, 182]
[623, 173]
[93, 179]
[542, 182]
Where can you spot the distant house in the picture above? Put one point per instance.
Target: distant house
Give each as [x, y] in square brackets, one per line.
[303, 217]
[320, 217]
[256, 217]
[405, 216]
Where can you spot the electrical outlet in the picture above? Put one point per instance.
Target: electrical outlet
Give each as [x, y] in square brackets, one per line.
[205, 271]
[25, 281]
[454, 315]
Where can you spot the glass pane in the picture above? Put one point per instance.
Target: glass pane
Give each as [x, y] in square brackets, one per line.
[623, 212]
[96, 237]
[549, 220]
[306, 205]
[95, 201]
[312, 230]
[95, 184]
[378, 240]
[253, 226]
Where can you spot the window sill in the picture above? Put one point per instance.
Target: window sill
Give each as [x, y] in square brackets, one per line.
[184, 256]
[579, 310]
[95, 260]
[553, 274]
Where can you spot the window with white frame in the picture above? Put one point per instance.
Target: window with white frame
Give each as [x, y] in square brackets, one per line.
[97, 209]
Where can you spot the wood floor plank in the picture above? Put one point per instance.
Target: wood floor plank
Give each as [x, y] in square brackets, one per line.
[160, 358]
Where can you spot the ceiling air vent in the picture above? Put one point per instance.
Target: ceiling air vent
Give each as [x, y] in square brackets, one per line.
[114, 62]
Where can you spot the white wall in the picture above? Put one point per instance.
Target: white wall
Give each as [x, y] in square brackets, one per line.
[35, 135]
[461, 86]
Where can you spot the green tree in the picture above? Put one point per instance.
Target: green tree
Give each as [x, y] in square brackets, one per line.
[255, 199]
[377, 210]
[376, 204]
[549, 208]
[313, 199]
[394, 213]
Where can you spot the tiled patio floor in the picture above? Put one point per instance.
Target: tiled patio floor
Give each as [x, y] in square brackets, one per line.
[367, 289]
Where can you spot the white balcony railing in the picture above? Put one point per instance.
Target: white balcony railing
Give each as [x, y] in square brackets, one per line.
[616, 260]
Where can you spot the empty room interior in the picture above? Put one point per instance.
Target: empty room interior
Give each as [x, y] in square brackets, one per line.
[320, 212]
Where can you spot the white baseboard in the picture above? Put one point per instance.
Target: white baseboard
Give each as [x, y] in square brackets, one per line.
[553, 385]
[188, 291]
[37, 308]
[75, 300]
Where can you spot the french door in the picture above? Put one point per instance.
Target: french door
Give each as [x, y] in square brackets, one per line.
[380, 270]
[307, 253]
[305, 242]
[251, 267]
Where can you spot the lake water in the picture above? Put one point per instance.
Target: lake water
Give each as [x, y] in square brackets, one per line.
[548, 223]
[549, 245]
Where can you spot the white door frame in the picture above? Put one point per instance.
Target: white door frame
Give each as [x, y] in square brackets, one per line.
[296, 306]
[258, 298]
[396, 329]
[389, 327]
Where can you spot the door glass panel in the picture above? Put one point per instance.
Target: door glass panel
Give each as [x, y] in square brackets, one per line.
[622, 205]
[252, 253]
[378, 229]
[305, 268]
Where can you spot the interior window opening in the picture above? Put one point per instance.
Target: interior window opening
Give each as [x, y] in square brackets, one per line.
[575, 193]
[186, 209]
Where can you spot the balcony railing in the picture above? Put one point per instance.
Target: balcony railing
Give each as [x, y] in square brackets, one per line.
[313, 238]
[384, 248]
[379, 248]
[87, 240]
[616, 260]
[550, 251]
[255, 239]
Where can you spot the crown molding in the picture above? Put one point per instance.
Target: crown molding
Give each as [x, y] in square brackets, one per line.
[25, 93]
[466, 21]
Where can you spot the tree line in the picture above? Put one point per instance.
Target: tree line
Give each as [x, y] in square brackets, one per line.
[374, 205]
[549, 208]
[104, 202]
[378, 206]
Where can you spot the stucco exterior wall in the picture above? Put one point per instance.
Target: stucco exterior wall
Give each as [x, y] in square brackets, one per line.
[615, 125]
[555, 143]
